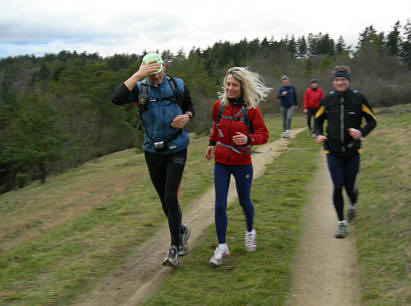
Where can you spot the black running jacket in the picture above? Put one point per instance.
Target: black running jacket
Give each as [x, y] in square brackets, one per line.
[342, 112]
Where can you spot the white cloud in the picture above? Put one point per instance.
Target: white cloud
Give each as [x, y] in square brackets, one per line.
[37, 27]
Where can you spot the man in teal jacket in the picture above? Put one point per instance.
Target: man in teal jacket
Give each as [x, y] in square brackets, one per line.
[165, 108]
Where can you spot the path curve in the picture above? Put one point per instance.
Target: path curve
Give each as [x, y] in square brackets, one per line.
[324, 269]
[143, 271]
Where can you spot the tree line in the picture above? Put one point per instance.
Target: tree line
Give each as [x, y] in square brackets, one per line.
[56, 113]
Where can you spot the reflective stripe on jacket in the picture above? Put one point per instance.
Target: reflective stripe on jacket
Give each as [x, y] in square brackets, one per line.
[342, 112]
[227, 128]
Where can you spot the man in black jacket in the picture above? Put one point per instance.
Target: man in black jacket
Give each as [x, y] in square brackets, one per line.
[343, 109]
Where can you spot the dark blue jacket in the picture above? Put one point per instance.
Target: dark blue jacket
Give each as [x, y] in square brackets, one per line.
[290, 98]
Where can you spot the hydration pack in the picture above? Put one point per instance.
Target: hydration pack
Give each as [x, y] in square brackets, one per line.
[157, 107]
[143, 97]
[244, 118]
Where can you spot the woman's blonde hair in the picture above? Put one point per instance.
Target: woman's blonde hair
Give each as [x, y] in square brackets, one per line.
[253, 89]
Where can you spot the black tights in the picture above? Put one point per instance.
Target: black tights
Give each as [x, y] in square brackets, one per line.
[343, 172]
[166, 171]
[310, 113]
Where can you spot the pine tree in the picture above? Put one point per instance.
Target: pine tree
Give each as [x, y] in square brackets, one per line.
[302, 47]
[340, 46]
[406, 44]
[292, 46]
[370, 38]
[35, 142]
[393, 42]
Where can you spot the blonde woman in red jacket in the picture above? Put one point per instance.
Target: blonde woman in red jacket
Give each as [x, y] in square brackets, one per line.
[237, 126]
[312, 97]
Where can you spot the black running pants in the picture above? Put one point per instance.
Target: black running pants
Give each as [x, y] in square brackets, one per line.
[310, 113]
[166, 171]
[343, 172]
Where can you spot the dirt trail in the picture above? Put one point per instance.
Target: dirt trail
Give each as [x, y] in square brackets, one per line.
[324, 268]
[139, 277]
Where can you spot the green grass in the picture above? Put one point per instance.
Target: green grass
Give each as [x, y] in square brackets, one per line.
[59, 239]
[383, 225]
[261, 277]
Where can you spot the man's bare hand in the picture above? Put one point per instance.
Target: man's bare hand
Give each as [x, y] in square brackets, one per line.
[356, 134]
[180, 121]
[148, 68]
[320, 139]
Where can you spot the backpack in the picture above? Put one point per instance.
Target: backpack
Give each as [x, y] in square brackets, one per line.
[245, 119]
[143, 98]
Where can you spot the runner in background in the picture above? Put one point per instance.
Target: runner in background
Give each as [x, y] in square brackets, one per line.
[312, 97]
[288, 103]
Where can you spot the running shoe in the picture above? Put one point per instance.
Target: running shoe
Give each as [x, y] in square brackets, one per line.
[219, 254]
[172, 258]
[309, 133]
[351, 213]
[185, 234]
[250, 240]
[287, 134]
[341, 230]
[284, 135]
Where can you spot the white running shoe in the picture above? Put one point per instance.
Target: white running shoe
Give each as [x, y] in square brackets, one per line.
[250, 240]
[219, 254]
[286, 134]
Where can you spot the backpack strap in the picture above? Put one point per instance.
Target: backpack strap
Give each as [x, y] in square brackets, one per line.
[247, 121]
[143, 97]
[245, 118]
[176, 92]
[220, 114]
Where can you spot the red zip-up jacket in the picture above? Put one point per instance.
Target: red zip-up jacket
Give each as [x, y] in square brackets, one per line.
[228, 127]
[312, 97]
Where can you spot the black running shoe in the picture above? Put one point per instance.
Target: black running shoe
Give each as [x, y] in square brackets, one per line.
[185, 234]
[351, 213]
[173, 258]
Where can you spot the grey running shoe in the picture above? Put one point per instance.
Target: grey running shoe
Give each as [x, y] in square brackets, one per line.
[309, 133]
[172, 258]
[351, 213]
[341, 230]
[185, 234]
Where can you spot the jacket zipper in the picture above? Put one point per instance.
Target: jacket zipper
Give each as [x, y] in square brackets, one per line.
[342, 124]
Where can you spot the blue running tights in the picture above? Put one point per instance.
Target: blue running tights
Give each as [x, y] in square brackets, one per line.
[243, 175]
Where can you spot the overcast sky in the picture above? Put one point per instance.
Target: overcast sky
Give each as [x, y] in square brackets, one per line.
[109, 27]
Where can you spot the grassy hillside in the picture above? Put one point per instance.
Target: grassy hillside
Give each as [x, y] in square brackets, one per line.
[383, 226]
[58, 239]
